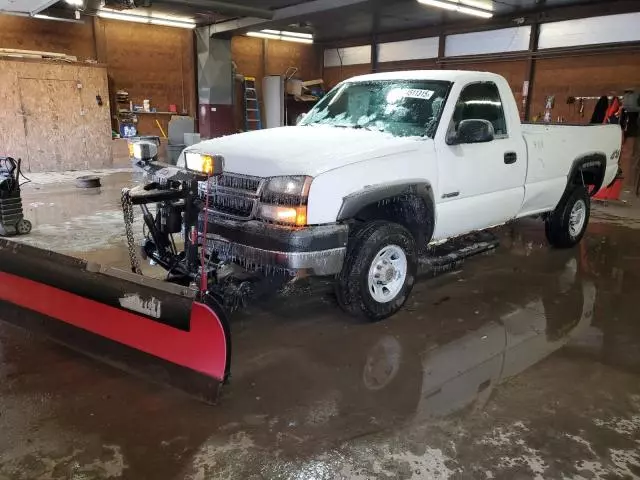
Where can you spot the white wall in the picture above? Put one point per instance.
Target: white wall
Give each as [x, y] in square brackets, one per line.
[350, 56]
[589, 31]
[492, 41]
[408, 50]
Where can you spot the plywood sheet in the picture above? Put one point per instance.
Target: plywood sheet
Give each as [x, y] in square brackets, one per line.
[334, 75]
[33, 34]
[583, 76]
[152, 62]
[53, 126]
[51, 119]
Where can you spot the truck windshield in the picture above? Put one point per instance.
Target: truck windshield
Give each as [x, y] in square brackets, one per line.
[403, 108]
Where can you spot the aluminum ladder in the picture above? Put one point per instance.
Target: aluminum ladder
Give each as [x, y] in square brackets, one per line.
[252, 118]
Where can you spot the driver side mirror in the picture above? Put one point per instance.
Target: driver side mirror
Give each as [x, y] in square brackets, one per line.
[472, 131]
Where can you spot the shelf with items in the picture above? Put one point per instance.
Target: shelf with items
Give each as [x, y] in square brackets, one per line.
[142, 112]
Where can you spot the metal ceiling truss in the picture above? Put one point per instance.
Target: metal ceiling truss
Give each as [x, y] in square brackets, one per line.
[293, 12]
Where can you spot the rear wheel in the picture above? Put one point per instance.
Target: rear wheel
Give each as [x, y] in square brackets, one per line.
[566, 226]
[379, 271]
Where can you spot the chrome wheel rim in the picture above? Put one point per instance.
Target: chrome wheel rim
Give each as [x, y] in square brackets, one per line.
[387, 273]
[577, 218]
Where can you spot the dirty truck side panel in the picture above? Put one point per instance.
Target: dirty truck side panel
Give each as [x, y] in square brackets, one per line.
[553, 150]
[328, 190]
[481, 186]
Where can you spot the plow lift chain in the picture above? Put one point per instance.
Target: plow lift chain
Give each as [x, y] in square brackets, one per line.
[179, 209]
[127, 211]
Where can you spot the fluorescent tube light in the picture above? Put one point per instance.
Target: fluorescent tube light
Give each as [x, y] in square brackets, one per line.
[282, 35]
[270, 36]
[456, 6]
[171, 23]
[297, 34]
[122, 16]
[154, 19]
[308, 41]
[285, 33]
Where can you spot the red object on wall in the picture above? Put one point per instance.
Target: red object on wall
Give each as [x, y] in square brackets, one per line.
[216, 120]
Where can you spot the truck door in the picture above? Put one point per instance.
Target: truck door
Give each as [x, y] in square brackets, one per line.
[480, 184]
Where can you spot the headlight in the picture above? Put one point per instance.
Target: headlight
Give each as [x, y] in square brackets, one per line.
[284, 200]
[207, 164]
[143, 150]
[291, 191]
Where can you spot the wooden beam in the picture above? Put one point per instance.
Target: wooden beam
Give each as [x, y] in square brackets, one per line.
[100, 40]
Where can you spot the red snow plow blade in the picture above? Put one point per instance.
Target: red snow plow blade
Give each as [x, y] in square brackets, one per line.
[162, 331]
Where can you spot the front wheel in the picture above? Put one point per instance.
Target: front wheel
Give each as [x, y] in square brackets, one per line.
[379, 271]
[567, 224]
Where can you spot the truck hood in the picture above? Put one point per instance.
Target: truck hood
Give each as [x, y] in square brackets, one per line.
[309, 150]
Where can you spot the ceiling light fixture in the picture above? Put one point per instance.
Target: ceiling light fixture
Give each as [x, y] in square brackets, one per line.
[75, 3]
[122, 16]
[456, 6]
[289, 34]
[171, 23]
[283, 35]
[154, 19]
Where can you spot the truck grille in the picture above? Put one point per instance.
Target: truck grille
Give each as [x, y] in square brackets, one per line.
[231, 195]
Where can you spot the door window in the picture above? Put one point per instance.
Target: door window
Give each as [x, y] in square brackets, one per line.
[481, 101]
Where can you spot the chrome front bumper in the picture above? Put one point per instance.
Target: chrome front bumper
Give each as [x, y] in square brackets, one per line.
[318, 250]
[319, 263]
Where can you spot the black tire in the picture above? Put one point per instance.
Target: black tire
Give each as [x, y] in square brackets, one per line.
[558, 225]
[352, 288]
[23, 227]
[88, 181]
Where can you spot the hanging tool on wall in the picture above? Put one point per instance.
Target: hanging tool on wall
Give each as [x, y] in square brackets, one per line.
[252, 118]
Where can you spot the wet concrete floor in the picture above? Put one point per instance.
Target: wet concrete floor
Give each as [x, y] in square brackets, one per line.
[520, 364]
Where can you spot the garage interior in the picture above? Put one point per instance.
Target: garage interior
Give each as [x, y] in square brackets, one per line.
[520, 363]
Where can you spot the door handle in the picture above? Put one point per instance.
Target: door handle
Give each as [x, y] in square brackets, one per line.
[510, 157]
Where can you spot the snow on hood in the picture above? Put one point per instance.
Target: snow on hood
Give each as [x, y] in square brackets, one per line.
[308, 150]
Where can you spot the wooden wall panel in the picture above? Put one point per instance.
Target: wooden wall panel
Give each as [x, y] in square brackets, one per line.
[283, 55]
[334, 75]
[253, 57]
[26, 33]
[151, 62]
[53, 121]
[248, 55]
[587, 75]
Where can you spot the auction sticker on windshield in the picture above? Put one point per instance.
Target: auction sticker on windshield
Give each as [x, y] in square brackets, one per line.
[399, 93]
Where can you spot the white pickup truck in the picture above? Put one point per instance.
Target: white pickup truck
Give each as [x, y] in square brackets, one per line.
[386, 164]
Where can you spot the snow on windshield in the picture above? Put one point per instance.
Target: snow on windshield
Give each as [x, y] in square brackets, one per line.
[401, 108]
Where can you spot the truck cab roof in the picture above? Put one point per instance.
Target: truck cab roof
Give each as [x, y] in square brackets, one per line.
[444, 75]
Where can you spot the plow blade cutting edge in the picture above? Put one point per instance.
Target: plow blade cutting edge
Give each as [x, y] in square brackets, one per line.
[164, 332]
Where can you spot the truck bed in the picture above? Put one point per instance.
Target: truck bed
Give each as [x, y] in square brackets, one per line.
[552, 150]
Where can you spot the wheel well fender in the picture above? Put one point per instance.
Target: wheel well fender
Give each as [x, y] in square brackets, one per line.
[409, 204]
[588, 170]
